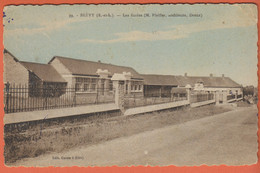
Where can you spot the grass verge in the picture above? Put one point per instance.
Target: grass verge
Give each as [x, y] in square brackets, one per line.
[57, 137]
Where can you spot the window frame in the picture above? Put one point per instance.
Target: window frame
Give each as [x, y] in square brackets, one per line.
[82, 82]
[136, 86]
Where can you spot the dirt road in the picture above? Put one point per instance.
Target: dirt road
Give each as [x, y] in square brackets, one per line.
[229, 138]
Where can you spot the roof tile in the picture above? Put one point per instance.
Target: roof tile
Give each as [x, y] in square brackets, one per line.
[83, 67]
[44, 71]
[182, 81]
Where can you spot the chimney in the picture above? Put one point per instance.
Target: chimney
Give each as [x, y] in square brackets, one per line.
[99, 61]
[223, 75]
[185, 74]
[211, 75]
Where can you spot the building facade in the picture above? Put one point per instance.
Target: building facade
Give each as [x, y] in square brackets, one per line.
[14, 71]
[211, 84]
[159, 85]
[94, 78]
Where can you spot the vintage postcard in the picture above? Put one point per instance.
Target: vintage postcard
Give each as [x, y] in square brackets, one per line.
[129, 85]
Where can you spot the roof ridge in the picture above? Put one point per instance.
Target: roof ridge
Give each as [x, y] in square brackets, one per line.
[92, 61]
[34, 63]
[208, 76]
[186, 76]
[39, 69]
[14, 57]
[159, 75]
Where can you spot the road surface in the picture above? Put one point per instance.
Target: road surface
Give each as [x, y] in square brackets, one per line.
[229, 138]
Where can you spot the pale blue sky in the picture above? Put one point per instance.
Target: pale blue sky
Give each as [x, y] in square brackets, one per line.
[222, 41]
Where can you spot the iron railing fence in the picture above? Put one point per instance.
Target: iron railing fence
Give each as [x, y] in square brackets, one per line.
[231, 97]
[200, 97]
[131, 101]
[239, 96]
[23, 98]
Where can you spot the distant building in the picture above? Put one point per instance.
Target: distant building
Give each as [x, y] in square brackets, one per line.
[210, 83]
[159, 85]
[162, 85]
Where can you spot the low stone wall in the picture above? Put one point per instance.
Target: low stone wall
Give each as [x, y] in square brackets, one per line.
[46, 123]
[239, 99]
[157, 107]
[57, 113]
[231, 100]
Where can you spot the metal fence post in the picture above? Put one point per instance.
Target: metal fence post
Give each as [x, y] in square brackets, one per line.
[134, 101]
[7, 85]
[74, 97]
[97, 95]
[217, 97]
[45, 102]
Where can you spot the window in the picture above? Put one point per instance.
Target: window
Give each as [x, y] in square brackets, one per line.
[101, 88]
[77, 87]
[87, 80]
[136, 86]
[86, 87]
[85, 84]
[93, 87]
[110, 85]
[93, 80]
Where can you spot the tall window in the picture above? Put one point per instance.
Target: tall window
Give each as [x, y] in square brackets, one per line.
[79, 82]
[136, 86]
[102, 87]
[93, 85]
[110, 85]
[86, 84]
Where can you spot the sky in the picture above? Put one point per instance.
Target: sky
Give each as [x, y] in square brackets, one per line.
[219, 39]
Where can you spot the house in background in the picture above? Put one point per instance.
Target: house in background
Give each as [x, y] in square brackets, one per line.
[171, 85]
[159, 85]
[91, 78]
[210, 83]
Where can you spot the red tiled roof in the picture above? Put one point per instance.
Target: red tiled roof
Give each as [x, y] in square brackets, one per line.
[83, 67]
[44, 71]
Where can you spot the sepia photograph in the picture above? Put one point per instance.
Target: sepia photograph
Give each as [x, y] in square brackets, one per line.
[130, 85]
